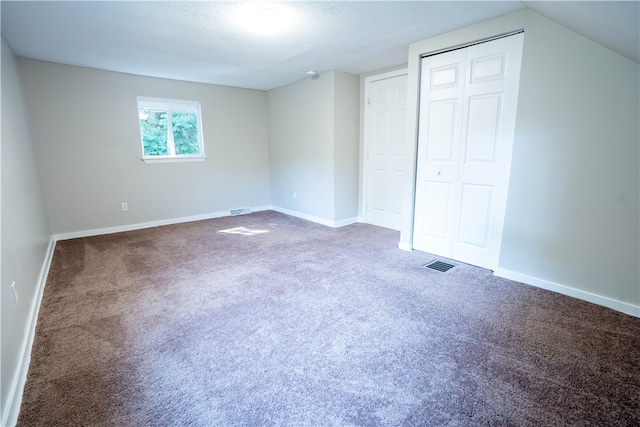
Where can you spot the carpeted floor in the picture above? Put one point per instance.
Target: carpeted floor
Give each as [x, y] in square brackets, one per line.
[286, 322]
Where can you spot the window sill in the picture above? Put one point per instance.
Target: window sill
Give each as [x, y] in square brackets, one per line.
[176, 159]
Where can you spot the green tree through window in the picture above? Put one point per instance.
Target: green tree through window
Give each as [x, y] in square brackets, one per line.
[153, 125]
[185, 133]
[178, 138]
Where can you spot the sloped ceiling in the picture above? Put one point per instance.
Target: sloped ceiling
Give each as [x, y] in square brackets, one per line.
[202, 41]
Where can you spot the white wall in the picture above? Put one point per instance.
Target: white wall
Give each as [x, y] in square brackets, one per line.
[85, 127]
[25, 232]
[572, 218]
[313, 147]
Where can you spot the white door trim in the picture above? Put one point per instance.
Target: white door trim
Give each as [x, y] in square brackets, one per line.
[367, 143]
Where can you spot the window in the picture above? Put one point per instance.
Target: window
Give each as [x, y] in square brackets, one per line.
[170, 130]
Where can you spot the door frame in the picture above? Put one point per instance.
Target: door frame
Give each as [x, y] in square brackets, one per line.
[367, 144]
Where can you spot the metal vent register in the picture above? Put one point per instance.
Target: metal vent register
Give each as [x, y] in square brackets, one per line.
[242, 211]
[440, 266]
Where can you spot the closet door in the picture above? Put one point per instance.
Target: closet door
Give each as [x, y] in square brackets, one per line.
[467, 120]
[441, 109]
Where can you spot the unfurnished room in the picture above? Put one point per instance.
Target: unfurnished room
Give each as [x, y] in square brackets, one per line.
[320, 213]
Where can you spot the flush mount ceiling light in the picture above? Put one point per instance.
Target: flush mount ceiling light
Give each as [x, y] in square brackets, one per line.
[264, 18]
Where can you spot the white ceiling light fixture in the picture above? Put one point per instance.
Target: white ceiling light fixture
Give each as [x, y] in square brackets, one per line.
[265, 18]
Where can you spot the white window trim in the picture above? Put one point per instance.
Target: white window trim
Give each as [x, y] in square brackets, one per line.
[173, 159]
[172, 105]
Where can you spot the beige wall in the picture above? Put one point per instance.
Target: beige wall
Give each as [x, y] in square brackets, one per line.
[300, 146]
[25, 232]
[346, 112]
[87, 140]
[313, 143]
[573, 212]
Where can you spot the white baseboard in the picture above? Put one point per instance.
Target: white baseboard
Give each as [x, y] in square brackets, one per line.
[405, 246]
[316, 219]
[143, 225]
[347, 221]
[623, 307]
[10, 416]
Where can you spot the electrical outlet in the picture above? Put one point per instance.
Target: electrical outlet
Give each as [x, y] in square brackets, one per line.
[295, 195]
[125, 206]
[15, 293]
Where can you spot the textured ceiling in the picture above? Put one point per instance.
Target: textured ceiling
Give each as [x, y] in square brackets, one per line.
[201, 41]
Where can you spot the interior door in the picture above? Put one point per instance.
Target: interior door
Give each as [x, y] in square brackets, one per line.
[468, 111]
[385, 151]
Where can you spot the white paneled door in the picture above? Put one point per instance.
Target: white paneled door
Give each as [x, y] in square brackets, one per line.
[468, 101]
[385, 151]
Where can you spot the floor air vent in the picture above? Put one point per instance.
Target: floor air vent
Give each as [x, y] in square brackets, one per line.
[242, 211]
[440, 266]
